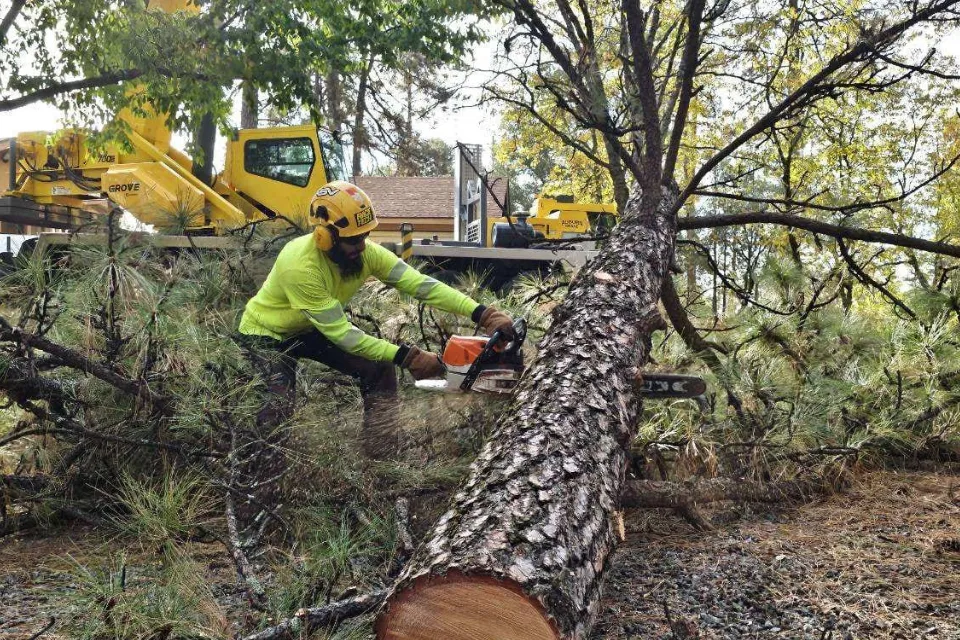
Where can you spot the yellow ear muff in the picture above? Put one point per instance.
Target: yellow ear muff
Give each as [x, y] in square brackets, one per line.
[322, 237]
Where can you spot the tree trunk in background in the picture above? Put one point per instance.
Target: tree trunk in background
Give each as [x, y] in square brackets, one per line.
[521, 550]
[205, 141]
[404, 151]
[333, 104]
[249, 107]
[359, 130]
[319, 100]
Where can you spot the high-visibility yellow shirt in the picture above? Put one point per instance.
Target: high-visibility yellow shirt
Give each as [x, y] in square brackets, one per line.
[305, 290]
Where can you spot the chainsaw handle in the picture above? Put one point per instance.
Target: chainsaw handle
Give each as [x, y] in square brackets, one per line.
[512, 346]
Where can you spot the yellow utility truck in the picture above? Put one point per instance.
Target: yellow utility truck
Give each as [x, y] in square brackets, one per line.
[552, 218]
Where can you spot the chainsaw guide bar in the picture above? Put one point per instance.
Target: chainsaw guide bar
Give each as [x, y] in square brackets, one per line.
[671, 385]
[494, 365]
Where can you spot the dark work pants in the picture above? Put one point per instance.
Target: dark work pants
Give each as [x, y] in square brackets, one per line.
[276, 361]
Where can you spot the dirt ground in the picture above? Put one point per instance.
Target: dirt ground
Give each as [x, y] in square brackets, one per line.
[881, 560]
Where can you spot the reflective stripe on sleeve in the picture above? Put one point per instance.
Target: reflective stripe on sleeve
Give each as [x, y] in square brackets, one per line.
[425, 288]
[396, 273]
[329, 316]
[350, 341]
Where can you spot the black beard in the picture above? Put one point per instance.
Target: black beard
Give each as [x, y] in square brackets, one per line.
[349, 267]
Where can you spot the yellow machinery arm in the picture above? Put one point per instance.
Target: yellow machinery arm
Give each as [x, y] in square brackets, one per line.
[163, 189]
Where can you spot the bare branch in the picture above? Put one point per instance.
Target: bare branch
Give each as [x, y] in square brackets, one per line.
[863, 50]
[849, 208]
[688, 68]
[71, 358]
[254, 587]
[312, 618]
[104, 80]
[650, 173]
[8, 19]
[866, 279]
[673, 495]
[816, 226]
[919, 68]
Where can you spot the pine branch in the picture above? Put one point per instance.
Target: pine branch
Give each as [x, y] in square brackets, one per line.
[73, 359]
[309, 619]
[816, 226]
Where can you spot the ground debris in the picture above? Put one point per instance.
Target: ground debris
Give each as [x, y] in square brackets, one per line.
[872, 562]
[861, 564]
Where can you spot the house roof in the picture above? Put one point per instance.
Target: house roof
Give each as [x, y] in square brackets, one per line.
[499, 186]
[409, 197]
[419, 197]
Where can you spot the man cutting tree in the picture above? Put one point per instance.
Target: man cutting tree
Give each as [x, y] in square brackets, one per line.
[298, 313]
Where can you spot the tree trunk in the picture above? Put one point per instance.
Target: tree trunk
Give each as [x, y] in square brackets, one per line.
[334, 104]
[522, 548]
[359, 130]
[405, 147]
[249, 107]
[205, 141]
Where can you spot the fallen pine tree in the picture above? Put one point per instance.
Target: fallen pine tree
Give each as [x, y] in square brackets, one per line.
[526, 538]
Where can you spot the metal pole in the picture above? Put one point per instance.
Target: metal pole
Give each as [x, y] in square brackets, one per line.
[406, 240]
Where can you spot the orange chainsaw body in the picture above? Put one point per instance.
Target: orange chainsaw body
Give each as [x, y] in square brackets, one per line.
[479, 364]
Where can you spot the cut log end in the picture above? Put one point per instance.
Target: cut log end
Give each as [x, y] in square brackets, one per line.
[459, 607]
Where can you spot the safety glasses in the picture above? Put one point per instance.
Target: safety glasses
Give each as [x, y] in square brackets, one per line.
[354, 240]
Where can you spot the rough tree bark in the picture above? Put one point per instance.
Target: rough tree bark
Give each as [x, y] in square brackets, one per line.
[360, 137]
[526, 538]
[205, 140]
[250, 107]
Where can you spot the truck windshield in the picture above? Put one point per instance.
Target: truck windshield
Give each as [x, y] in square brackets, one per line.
[285, 159]
[333, 161]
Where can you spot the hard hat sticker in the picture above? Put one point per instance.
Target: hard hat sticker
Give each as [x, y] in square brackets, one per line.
[327, 191]
[364, 217]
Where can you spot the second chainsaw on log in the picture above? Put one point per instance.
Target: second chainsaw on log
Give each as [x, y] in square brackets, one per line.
[495, 365]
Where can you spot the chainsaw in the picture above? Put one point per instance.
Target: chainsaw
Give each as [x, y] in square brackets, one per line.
[494, 365]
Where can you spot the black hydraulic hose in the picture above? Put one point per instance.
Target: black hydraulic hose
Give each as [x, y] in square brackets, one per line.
[39, 176]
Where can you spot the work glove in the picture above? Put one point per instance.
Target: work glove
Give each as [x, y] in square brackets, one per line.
[492, 320]
[422, 364]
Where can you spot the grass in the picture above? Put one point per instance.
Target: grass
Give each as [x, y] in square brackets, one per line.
[117, 601]
[161, 514]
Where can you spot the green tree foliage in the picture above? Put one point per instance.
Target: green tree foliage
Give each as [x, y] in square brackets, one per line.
[874, 147]
[182, 61]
